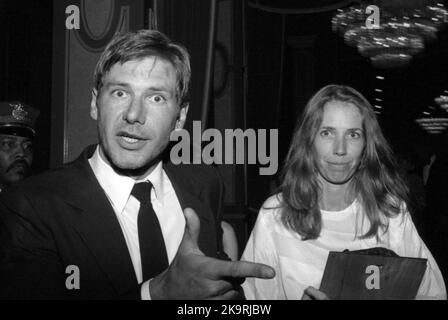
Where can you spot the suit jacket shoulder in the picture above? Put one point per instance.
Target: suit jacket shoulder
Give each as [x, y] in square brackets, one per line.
[203, 180]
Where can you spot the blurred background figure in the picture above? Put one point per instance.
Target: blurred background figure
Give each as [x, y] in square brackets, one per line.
[436, 229]
[412, 173]
[17, 132]
[427, 168]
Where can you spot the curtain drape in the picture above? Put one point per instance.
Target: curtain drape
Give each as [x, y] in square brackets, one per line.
[192, 23]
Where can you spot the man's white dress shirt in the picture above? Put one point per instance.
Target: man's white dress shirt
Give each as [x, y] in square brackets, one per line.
[164, 201]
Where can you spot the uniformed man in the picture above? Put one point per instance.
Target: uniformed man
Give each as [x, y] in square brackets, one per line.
[17, 122]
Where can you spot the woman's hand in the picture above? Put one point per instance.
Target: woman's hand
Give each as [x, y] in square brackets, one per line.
[312, 293]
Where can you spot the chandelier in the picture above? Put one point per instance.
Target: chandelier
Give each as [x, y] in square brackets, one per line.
[390, 32]
[442, 100]
[435, 124]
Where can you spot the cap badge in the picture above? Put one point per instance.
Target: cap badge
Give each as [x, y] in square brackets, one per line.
[18, 113]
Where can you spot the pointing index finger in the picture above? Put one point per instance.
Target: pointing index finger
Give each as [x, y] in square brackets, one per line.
[244, 269]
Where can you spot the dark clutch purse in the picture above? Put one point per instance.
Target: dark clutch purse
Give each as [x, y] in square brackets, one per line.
[372, 274]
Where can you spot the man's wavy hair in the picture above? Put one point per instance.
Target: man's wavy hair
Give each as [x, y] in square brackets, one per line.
[142, 44]
[376, 183]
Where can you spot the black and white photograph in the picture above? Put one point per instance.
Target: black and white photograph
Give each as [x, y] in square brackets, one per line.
[255, 151]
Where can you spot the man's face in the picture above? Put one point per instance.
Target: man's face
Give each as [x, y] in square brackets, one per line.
[339, 142]
[136, 110]
[16, 156]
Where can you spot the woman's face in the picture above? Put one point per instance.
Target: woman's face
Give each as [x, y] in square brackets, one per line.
[339, 142]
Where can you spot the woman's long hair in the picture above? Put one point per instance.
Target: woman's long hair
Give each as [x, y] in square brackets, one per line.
[376, 183]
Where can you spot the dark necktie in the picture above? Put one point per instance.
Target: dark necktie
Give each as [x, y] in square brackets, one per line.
[152, 246]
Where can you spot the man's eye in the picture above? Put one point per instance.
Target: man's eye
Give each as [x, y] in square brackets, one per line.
[119, 93]
[157, 98]
[28, 146]
[7, 145]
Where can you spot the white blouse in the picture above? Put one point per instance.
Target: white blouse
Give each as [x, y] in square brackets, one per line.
[300, 264]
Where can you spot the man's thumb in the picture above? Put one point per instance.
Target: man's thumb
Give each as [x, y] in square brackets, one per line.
[192, 227]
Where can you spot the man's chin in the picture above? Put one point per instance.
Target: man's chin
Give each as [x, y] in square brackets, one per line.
[19, 174]
[15, 178]
[133, 166]
[129, 163]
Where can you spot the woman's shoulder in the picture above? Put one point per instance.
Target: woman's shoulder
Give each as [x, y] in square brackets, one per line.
[403, 211]
[273, 201]
[399, 222]
[269, 216]
[395, 212]
[271, 207]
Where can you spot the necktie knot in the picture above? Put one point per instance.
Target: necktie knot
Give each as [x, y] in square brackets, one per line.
[142, 191]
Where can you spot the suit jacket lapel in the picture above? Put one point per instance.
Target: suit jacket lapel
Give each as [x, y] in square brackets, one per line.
[99, 227]
[189, 197]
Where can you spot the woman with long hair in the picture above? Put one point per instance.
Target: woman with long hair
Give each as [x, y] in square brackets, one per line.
[340, 190]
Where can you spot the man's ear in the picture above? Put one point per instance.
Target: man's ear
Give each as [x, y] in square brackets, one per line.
[93, 107]
[182, 116]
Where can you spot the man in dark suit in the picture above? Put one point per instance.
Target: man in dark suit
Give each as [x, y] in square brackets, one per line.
[119, 222]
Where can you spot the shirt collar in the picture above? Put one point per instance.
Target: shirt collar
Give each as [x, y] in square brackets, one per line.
[156, 178]
[118, 187]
